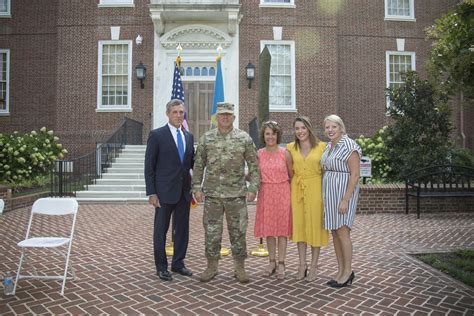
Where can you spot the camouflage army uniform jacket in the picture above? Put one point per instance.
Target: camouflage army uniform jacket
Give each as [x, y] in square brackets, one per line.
[224, 158]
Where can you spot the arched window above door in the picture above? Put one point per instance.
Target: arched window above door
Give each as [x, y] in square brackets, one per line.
[198, 70]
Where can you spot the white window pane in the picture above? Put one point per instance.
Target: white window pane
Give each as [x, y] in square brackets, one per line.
[3, 6]
[398, 8]
[280, 75]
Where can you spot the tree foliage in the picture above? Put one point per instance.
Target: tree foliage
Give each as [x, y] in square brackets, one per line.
[451, 61]
[419, 136]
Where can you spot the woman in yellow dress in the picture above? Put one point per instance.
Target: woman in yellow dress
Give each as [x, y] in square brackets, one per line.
[306, 196]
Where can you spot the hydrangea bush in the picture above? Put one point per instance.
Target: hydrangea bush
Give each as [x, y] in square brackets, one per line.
[374, 147]
[27, 157]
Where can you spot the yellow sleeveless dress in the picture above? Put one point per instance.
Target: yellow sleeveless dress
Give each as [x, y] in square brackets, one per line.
[306, 197]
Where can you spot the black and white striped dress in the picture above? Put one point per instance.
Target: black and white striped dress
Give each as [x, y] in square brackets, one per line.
[335, 181]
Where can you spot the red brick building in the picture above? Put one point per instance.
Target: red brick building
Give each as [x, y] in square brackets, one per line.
[70, 65]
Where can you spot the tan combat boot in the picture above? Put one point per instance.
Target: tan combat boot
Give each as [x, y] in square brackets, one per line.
[210, 272]
[240, 274]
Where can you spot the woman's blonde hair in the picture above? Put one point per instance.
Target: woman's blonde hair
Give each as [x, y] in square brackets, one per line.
[314, 141]
[336, 119]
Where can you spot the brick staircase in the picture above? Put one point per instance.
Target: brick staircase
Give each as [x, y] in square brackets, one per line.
[123, 182]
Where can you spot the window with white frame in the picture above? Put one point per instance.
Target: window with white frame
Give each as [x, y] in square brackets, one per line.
[116, 3]
[282, 75]
[4, 80]
[5, 8]
[115, 75]
[397, 64]
[399, 9]
[277, 3]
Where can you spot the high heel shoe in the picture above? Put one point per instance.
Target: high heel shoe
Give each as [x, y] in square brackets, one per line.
[331, 282]
[348, 282]
[302, 272]
[281, 270]
[270, 271]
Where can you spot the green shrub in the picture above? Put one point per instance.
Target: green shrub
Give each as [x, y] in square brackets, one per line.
[26, 157]
[375, 148]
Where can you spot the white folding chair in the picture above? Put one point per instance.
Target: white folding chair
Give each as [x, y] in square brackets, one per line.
[55, 207]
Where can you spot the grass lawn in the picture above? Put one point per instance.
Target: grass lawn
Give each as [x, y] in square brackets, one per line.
[459, 264]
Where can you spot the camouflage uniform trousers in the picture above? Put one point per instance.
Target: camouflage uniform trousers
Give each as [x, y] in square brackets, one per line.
[235, 210]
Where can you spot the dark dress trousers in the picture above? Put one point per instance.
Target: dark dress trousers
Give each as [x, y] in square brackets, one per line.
[169, 178]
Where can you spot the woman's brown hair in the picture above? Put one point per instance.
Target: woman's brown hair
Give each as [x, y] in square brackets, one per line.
[274, 127]
[314, 141]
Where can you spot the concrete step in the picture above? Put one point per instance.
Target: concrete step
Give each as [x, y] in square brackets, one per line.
[111, 194]
[119, 175]
[133, 150]
[120, 182]
[125, 170]
[116, 187]
[127, 165]
[140, 159]
[132, 155]
[134, 146]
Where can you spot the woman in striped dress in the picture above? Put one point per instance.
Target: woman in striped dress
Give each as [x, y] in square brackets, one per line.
[341, 165]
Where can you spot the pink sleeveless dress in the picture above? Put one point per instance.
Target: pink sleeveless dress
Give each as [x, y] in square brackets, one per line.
[273, 217]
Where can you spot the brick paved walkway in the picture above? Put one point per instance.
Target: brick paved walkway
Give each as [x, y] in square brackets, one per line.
[112, 253]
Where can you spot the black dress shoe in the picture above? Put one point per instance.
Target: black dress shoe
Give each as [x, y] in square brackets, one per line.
[183, 271]
[165, 275]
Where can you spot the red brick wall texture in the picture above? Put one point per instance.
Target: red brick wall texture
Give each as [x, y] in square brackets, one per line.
[339, 49]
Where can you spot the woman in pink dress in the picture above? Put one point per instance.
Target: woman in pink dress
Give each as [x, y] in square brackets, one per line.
[273, 217]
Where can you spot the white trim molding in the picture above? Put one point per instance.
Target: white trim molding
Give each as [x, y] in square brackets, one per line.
[277, 4]
[6, 110]
[196, 36]
[400, 44]
[8, 12]
[165, 14]
[116, 4]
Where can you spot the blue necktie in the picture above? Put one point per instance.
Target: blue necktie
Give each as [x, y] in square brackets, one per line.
[180, 144]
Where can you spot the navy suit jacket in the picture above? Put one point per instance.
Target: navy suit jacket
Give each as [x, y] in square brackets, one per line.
[165, 175]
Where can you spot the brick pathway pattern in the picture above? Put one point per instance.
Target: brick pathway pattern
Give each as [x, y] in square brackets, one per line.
[112, 255]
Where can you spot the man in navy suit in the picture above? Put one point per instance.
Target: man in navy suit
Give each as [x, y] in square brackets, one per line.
[168, 160]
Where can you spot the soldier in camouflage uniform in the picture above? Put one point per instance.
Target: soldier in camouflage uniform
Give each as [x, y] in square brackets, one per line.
[223, 152]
